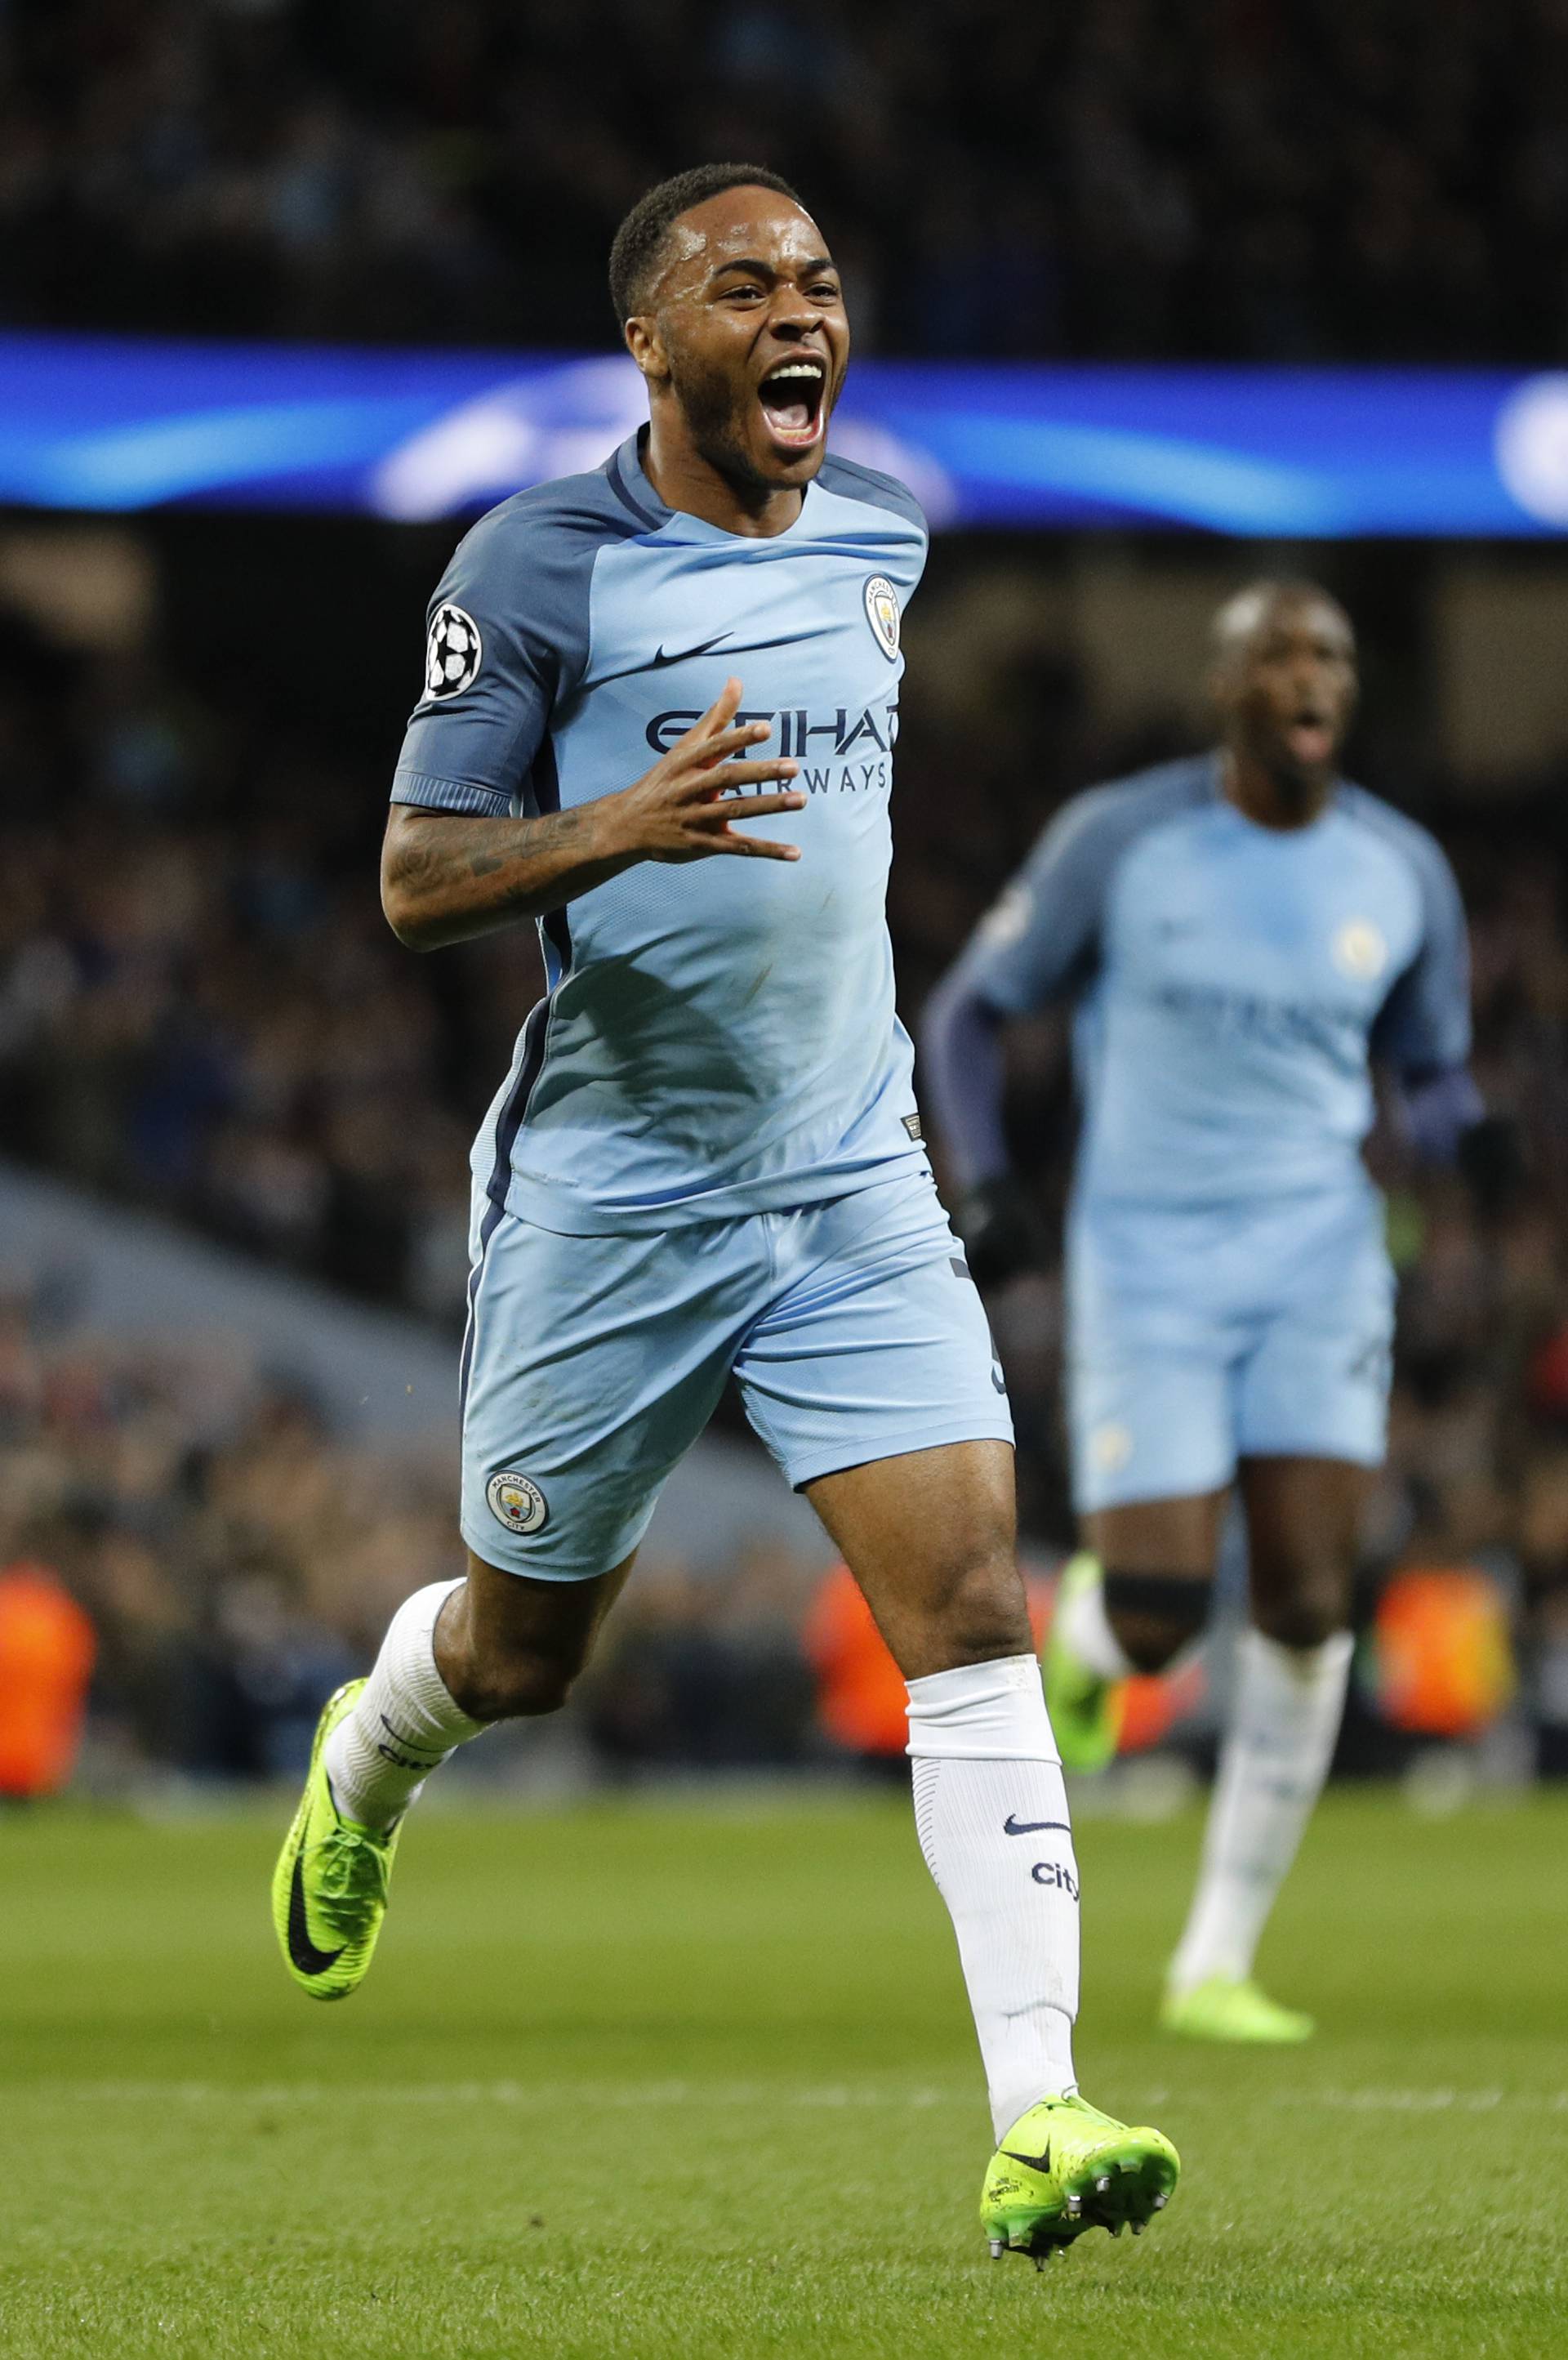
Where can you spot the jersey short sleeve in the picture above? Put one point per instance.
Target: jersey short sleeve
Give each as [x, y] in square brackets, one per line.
[506, 639]
[856, 482]
[1041, 940]
[1423, 1026]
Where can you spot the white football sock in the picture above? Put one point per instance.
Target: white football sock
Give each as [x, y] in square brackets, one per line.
[1087, 1630]
[1285, 1716]
[404, 1724]
[991, 1813]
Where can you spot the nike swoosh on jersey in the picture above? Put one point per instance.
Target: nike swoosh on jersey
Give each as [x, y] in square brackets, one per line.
[1041, 2162]
[301, 1949]
[682, 655]
[1011, 1826]
[661, 662]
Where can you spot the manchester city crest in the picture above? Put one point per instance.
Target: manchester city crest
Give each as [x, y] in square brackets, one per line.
[882, 614]
[516, 1502]
[1360, 949]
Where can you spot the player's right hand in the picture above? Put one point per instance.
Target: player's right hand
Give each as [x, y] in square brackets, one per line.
[685, 808]
[996, 1222]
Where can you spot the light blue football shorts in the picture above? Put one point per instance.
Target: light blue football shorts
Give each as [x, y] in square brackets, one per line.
[1200, 1336]
[591, 1363]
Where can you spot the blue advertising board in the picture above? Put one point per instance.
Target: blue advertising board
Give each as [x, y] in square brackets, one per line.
[98, 422]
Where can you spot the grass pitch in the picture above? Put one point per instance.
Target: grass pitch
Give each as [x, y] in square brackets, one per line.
[651, 2079]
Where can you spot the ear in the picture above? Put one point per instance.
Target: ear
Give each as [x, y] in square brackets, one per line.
[645, 347]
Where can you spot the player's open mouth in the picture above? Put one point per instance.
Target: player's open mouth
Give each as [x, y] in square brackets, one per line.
[1309, 738]
[791, 397]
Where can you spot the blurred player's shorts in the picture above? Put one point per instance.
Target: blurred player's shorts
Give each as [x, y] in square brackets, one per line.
[1201, 1334]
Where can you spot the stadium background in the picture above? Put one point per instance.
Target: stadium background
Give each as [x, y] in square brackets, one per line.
[203, 1016]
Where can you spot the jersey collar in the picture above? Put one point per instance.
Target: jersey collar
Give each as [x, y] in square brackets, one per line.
[633, 486]
[1331, 802]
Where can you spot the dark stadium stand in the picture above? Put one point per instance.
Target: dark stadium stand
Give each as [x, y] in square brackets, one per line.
[1290, 180]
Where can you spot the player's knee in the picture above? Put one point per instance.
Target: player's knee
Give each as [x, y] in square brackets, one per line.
[979, 1611]
[510, 1683]
[1155, 1616]
[1306, 1610]
[968, 1610]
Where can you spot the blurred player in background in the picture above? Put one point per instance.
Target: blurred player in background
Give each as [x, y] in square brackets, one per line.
[706, 1157]
[1244, 935]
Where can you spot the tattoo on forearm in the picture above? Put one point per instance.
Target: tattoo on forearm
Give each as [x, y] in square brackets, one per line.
[442, 854]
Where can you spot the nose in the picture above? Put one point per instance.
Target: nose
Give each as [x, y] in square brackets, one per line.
[791, 317]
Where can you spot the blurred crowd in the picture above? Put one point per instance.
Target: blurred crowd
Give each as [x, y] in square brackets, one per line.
[1269, 178]
[234, 1560]
[203, 1010]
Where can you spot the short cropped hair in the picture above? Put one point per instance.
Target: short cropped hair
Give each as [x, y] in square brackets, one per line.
[639, 241]
[1245, 609]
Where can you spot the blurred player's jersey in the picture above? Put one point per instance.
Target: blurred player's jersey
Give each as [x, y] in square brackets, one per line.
[1234, 982]
[716, 1037]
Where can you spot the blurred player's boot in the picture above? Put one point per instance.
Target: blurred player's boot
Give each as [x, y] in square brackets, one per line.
[1084, 1707]
[329, 1888]
[1064, 2167]
[1231, 2008]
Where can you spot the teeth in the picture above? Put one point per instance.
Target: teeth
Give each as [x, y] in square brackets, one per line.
[792, 368]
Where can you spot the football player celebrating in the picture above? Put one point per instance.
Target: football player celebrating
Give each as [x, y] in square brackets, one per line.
[1243, 936]
[705, 1159]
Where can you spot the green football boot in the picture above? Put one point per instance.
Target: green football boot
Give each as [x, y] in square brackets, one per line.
[1085, 1710]
[1231, 2007]
[1064, 2167]
[329, 1888]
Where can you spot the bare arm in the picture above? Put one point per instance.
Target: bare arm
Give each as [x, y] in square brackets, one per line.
[446, 877]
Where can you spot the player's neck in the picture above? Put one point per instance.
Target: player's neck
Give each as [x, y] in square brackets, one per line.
[685, 480]
[1267, 800]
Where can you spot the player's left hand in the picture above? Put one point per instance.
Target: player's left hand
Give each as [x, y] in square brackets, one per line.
[1491, 1160]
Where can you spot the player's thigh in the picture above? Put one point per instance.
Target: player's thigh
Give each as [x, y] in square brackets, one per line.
[874, 1343]
[591, 1365]
[1315, 1384]
[930, 1537]
[1179, 1536]
[1149, 1376]
[1151, 1424]
[1305, 1520]
[873, 1380]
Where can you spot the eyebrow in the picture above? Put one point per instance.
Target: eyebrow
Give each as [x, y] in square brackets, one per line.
[765, 270]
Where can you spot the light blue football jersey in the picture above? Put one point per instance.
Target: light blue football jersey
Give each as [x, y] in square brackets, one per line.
[1233, 983]
[717, 1037]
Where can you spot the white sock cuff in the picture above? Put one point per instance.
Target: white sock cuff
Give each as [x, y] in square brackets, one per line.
[411, 1645]
[1293, 1684]
[982, 1712]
